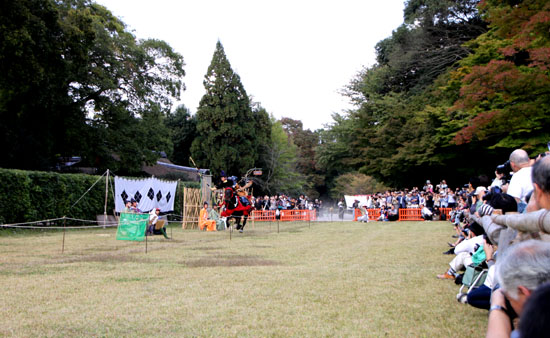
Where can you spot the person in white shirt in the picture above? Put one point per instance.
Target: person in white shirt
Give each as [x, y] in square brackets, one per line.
[520, 184]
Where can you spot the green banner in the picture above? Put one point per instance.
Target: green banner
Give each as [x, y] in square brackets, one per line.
[131, 227]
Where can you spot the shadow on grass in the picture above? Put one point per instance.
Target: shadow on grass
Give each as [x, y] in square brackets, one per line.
[228, 260]
[102, 258]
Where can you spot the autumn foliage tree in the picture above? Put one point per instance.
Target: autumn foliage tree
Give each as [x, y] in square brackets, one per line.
[455, 89]
[505, 83]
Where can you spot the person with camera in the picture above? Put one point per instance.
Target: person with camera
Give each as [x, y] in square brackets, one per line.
[522, 267]
[520, 184]
[519, 270]
[500, 176]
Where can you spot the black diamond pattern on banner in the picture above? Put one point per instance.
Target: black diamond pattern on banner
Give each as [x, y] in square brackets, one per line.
[137, 196]
[168, 196]
[124, 196]
[159, 196]
[151, 194]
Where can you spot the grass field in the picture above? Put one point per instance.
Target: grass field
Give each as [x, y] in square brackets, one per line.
[330, 279]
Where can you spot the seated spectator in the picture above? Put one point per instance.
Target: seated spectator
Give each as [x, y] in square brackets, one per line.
[127, 206]
[153, 220]
[134, 207]
[365, 214]
[481, 297]
[463, 259]
[204, 221]
[393, 214]
[438, 215]
[215, 216]
[383, 215]
[426, 213]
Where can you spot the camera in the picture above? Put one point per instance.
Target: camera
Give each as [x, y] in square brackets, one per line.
[504, 168]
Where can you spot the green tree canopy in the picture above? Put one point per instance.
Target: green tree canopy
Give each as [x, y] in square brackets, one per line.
[281, 174]
[183, 127]
[74, 81]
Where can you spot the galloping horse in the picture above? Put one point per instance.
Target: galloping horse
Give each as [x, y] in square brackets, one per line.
[236, 206]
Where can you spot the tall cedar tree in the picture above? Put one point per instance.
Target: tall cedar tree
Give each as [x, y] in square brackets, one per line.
[226, 134]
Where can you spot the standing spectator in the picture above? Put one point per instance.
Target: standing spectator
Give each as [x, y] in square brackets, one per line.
[341, 208]
[272, 203]
[422, 199]
[402, 201]
[428, 186]
[443, 185]
[520, 184]
[430, 201]
[443, 202]
[451, 198]
[388, 198]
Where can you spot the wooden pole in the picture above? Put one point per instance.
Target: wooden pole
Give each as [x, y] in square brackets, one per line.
[64, 223]
[106, 195]
[183, 209]
[253, 218]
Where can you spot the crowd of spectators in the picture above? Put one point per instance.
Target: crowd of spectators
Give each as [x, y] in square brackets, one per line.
[429, 199]
[283, 202]
[513, 268]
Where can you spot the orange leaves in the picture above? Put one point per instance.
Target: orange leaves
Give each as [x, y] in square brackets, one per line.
[540, 58]
[475, 127]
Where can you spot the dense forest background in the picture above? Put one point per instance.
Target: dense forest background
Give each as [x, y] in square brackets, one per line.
[454, 90]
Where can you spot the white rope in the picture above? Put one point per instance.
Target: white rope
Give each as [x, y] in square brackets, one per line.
[56, 228]
[35, 222]
[26, 225]
[87, 190]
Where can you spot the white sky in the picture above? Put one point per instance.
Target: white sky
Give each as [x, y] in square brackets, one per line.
[292, 56]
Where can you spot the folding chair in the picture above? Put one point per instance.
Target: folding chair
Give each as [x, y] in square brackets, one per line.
[473, 277]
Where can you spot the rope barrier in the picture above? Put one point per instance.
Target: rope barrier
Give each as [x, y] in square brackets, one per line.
[35, 222]
[27, 225]
[56, 228]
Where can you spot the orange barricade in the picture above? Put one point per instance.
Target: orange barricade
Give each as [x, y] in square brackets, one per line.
[298, 215]
[286, 215]
[410, 214]
[374, 214]
[357, 213]
[446, 211]
[263, 215]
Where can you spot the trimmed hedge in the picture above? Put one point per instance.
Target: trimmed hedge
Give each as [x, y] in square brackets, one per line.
[27, 196]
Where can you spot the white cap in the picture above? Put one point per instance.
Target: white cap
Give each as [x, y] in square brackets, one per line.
[479, 190]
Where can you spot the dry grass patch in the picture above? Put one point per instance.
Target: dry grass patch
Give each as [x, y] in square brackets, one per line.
[333, 279]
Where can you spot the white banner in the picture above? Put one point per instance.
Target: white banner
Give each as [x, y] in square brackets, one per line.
[149, 193]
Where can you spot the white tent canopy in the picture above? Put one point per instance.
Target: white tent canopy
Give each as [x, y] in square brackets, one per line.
[351, 198]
